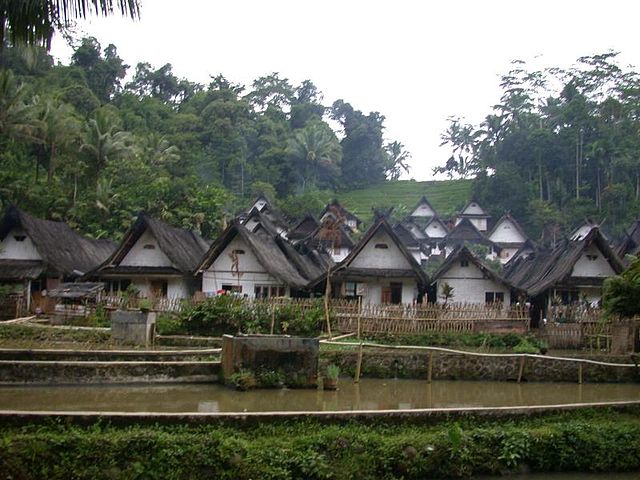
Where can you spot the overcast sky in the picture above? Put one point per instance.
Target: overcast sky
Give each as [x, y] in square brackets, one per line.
[415, 62]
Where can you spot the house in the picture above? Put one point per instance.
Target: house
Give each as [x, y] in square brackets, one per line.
[406, 232]
[465, 232]
[334, 237]
[509, 236]
[304, 228]
[338, 212]
[156, 259]
[379, 269]
[435, 228]
[573, 271]
[423, 209]
[471, 280]
[259, 264]
[37, 255]
[475, 214]
[630, 242]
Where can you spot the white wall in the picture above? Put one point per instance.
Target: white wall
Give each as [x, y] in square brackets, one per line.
[598, 267]
[506, 232]
[371, 257]
[435, 230]
[252, 272]
[138, 256]
[479, 223]
[469, 285]
[474, 209]
[423, 210]
[10, 248]
[373, 290]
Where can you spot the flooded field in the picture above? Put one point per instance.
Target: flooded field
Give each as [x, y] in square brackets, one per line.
[370, 394]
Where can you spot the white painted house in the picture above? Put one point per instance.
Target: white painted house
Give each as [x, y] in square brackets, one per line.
[476, 215]
[471, 280]
[336, 212]
[509, 236]
[423, 209]
[36, 255]
[156, 259]
[380, 269]
[256, 264]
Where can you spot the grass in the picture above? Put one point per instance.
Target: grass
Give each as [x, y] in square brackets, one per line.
[447, 197]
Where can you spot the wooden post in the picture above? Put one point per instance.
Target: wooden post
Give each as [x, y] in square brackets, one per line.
[359, 315]
[430, 367]
[273, 317]
[521, 371]
[359, 364]
[580, 373]
[327, 293]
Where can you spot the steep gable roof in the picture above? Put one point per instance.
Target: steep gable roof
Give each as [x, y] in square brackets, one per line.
[467, 210]
[383, 226]
[275, 254]
[423, 202]
[305, 227]
[435, 220]
[184, 248]
[465, 231]
[63, 250]
[507, 218]
[544, 269]
[334, 207]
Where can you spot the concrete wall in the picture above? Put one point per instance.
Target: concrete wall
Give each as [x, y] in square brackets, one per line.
[469, 285]
[592, 263]
[138, 256]
[465, 367]
[10, 248]
[372, 290]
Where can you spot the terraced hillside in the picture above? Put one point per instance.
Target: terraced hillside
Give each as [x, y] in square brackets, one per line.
[447, 197]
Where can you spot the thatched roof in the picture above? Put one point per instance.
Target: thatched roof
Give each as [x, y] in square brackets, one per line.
[337, 210]
[463, 253]
[462, 213]
[76, 290]
[466, 232]
[305, 227]
[508, 218]
[630, 242]
[64, 251]
[344, 268]
[547, 268]
[184, 248]
[278, 257]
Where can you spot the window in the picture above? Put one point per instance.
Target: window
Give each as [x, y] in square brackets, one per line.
[149, 246]
[237, 251]
[232, 288]
[507, 227]
[464, 263]
[382, 246]
[350, 289]
[19, 238]
[115, 286]
[568, 296]
[159, 288]
[494, 297]
[592, 258]
[266, 291]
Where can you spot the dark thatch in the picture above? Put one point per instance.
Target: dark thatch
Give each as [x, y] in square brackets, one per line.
[303, 228]
[278, 257]
[183, 247]
[64, 251]
[466, 232]
[548, 268]
[340, 213]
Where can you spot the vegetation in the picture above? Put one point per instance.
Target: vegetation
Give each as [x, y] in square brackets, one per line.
[229, 314]
[587, 441]
[621, 293]
[81, 145]
[560, 146]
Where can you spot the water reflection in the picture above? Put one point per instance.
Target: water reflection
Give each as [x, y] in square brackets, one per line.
[369, 394]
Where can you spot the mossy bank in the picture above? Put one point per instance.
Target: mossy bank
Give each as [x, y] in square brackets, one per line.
[590, 440]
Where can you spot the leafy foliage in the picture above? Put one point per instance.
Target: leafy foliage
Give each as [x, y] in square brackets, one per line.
[621, 293]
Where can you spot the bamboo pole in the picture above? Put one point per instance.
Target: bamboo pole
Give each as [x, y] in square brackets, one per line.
[580, 373]
[430, 368]
[359, 364]
[359, 316]
[273, 318]
[521, 370]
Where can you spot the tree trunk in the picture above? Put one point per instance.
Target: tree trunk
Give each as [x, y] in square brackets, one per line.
[52, 155]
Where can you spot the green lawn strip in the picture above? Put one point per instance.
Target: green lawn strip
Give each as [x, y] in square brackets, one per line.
[604, 440]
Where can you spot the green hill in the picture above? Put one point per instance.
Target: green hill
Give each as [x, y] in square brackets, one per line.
[446, 196]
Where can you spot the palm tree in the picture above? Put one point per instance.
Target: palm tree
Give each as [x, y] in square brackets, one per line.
[103, 142]
[315, 147]
[15, 114]
[33, 22]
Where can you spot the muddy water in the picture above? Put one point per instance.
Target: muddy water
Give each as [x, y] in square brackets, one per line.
[370, 394]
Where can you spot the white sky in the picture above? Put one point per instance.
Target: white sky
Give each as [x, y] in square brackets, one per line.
[415, 62]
